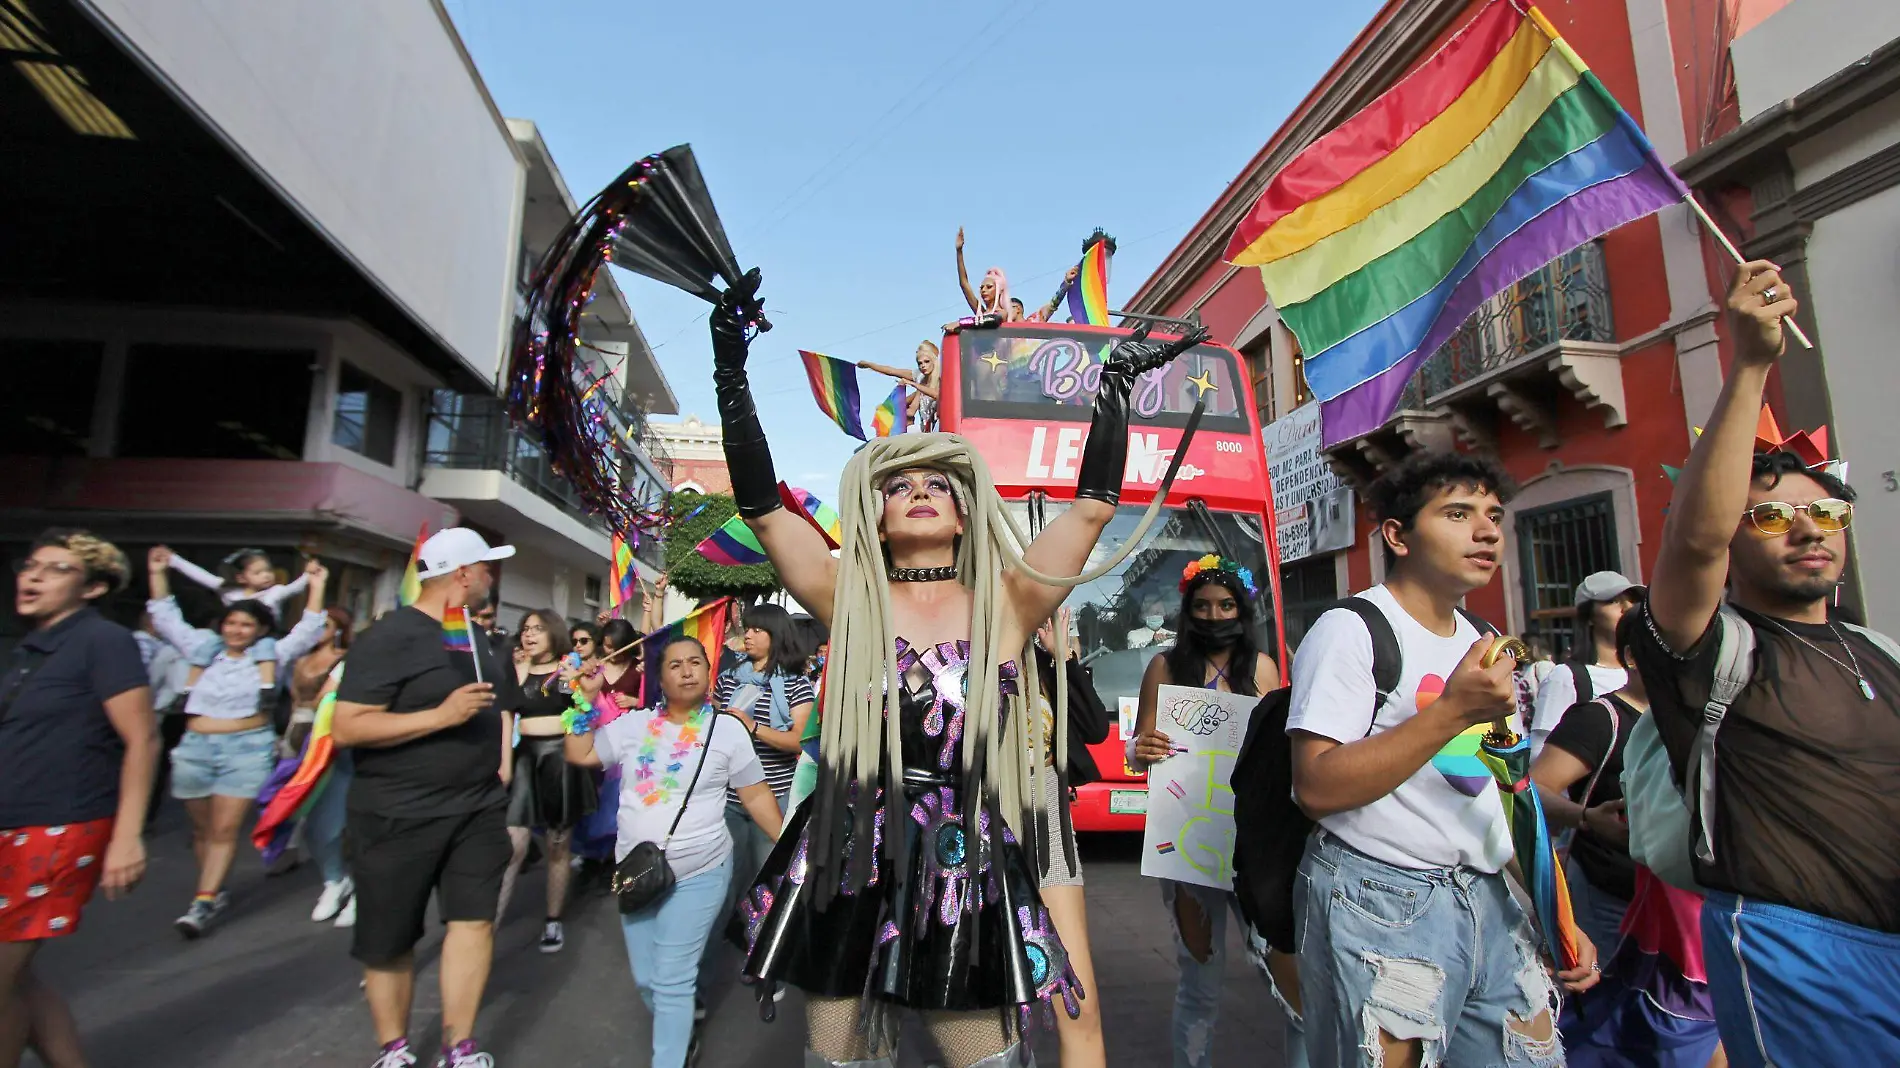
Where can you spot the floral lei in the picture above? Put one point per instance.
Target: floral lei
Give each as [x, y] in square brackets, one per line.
[1213, 562]
[656, 779]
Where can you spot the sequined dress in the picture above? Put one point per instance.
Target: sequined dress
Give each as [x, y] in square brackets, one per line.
[905, 938]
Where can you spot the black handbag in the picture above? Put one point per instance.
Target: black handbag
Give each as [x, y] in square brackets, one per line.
[643, 877]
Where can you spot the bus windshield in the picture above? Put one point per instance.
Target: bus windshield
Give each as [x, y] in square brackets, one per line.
[1044, 372]
[1116, 615]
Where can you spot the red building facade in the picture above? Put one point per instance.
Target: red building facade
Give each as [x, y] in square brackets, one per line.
[1583, 379]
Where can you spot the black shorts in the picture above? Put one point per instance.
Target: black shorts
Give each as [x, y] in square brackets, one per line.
[397, 861]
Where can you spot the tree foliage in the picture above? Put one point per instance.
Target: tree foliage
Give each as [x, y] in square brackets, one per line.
[695, 517]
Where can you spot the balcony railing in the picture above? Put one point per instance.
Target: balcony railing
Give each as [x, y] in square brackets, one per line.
[1568, 299]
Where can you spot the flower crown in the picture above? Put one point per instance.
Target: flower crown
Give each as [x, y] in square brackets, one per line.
[1213, 562]
[1810, 447]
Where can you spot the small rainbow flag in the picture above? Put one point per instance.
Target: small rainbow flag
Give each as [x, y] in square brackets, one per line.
[455, 630]
[707, 623]
[1496, 155]
[297, 784]
[888, 419]
[820, 515]
[732, 545]
[411, 587]
[622, 574]
[834, 385]
[1088, 297]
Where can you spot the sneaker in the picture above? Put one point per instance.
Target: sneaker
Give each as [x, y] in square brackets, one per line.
[464, 1055]
[201, 915]
[347, 917]
[335, 895]
[553, 937]
[395, 1055]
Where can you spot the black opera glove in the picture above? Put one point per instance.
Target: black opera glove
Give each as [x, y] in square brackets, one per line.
[748, 458]
[1105, 455]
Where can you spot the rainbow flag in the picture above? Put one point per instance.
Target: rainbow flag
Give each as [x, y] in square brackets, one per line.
[1088, 297]
[295, 786]
[732, 545]
[706, 623]
[411, 587]
[1495, 156]
[834, 385]
[823, 517]
[888, 419]
[623, 576]
[455, 630]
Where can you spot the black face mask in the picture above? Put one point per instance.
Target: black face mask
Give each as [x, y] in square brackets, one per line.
[1212, 633]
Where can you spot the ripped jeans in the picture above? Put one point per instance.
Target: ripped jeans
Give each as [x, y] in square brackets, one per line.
[1197, 993]
[1440, 955]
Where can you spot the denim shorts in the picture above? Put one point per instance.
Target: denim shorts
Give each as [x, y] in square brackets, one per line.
[227, 765]
[1442, 955]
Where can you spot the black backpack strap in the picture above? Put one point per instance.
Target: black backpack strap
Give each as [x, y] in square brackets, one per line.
[1388, 663]
[1484, 626]
[1580, 676]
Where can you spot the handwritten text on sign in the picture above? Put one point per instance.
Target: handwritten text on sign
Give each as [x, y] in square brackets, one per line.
[1190, 829]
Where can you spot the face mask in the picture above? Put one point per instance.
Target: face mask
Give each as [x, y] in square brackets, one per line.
[1153, 622]
[1213, 633]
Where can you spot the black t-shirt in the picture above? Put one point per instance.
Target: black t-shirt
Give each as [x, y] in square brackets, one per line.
[1585, 733]
[59, 754]
[1807, 781]
[403, 665]
[543, 695]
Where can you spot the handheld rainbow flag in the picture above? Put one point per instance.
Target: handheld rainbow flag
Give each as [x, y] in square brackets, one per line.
[732, 545]
[1495, 156]
[706, 624]
[455, 630]
[888, 419]
[622, 575]
[1088, 296]
[411, 587]
[823, 517]
[834, 385]
[297, 783]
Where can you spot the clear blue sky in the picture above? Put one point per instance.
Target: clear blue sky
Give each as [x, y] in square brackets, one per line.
[844, 142]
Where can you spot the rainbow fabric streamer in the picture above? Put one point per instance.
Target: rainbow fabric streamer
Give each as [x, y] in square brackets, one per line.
[1088, 297]
[1495, 156]
[295, 786]
[888, 419]
[707, 624]
[834, 385]
[411, 587]
[622, 574]
[732, 545]
[455, 630]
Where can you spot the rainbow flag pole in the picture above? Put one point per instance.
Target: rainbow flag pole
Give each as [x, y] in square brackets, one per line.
[1496, 155]
[834, 385]
[1088, 297]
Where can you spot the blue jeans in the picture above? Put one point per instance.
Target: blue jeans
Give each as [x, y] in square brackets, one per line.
[1439, 955]
[1197, 992]
[323, 828]
[664, 944]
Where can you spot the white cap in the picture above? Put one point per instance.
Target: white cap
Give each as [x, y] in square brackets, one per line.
[1605, 586]
[456, 547]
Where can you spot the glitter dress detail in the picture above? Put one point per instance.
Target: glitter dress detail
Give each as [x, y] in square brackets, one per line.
[941, 934]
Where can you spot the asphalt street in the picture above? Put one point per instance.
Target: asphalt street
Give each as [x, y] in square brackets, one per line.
[271, 989]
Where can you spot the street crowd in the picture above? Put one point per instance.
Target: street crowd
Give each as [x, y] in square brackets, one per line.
[1718, 758]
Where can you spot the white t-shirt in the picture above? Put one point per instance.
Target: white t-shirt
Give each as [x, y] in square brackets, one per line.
[1448, 812]
[702, 840]
[1558, 692]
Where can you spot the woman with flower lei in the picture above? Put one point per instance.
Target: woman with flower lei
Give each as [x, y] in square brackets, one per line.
[658, 751]
[1217, 649]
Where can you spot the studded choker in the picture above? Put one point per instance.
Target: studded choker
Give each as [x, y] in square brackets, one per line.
[921, 574]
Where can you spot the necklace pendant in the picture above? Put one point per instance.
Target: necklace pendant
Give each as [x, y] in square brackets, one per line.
[1866, 689]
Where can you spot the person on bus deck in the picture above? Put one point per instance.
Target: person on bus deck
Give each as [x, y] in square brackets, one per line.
[920, 404]
[1593, 667]
[876, 896]
[1048, 311]
[1215, 651]
[990, 297]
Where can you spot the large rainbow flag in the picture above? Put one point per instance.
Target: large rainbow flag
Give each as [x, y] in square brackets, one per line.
[296, 783]
[1497, 155]
[1088, 297]
[834, 385]
[706, 623]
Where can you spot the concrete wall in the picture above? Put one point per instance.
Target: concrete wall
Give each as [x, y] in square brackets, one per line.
[1804, 42]
[369, 117]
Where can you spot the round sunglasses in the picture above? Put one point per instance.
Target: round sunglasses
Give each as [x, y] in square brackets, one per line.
[1831, 514]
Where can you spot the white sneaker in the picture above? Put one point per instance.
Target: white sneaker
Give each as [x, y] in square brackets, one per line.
[553, 937]
[335, 895]
[347, 917]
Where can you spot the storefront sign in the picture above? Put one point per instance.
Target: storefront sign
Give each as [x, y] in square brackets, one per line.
[1313, 510]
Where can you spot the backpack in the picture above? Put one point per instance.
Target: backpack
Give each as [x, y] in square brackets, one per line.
[1672, 822]
[1270, 830]
[1580, 676]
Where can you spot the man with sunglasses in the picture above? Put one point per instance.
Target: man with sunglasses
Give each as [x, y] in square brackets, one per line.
[1802, 921]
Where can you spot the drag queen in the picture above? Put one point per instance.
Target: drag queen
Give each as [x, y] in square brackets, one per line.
[908, 880]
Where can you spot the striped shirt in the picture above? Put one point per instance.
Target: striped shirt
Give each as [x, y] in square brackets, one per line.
[779, 765]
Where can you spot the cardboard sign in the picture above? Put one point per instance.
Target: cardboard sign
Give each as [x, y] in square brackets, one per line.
[1190, 830]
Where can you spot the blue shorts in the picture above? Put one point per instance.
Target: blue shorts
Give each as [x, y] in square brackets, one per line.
[225, 765]
[1441, 955]
[1795, 988]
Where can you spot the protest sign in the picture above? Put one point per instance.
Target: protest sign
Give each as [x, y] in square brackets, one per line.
[1190, 830]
